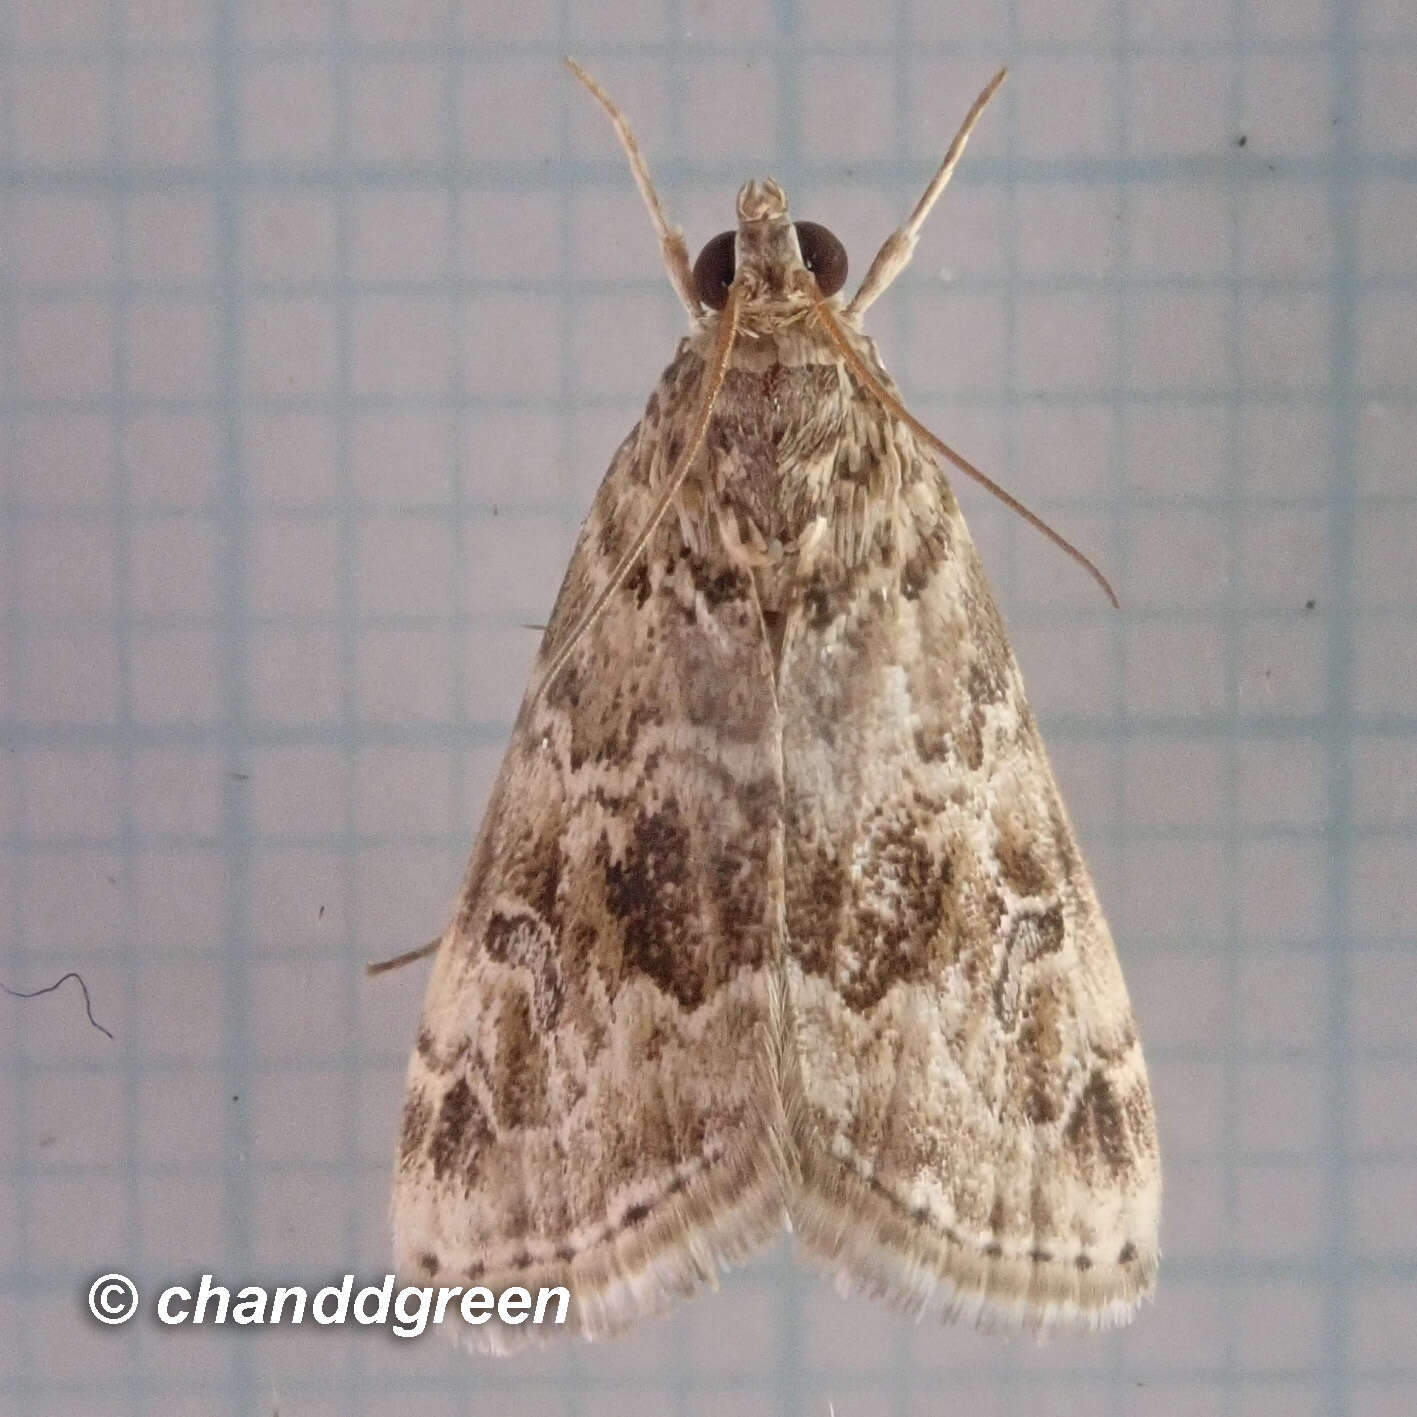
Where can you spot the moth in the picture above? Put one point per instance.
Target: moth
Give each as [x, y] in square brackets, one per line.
[776, 917]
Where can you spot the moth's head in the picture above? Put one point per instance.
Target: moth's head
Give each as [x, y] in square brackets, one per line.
[766, 257]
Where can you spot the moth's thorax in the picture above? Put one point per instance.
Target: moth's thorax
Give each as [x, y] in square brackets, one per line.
[784, 415]
[801, 478]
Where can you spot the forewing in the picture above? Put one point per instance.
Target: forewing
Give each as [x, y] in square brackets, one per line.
[975, 1127]
[586, 1097]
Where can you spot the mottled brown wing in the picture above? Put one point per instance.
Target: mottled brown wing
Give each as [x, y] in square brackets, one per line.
[586, 1102]
[974, 1129]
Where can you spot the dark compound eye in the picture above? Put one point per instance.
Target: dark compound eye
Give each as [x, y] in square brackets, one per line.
[823, 255]
[713, 271]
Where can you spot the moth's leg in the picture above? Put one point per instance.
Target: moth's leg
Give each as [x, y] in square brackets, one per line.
[833, 330]
[712, 382]
[895, 255]
[671, 239]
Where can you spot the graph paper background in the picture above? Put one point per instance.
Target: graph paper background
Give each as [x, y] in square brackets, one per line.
[319, 323]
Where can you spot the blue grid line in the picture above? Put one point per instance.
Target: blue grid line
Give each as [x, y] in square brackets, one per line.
[1119, 551]
[229, 398]
[1338, 1308]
